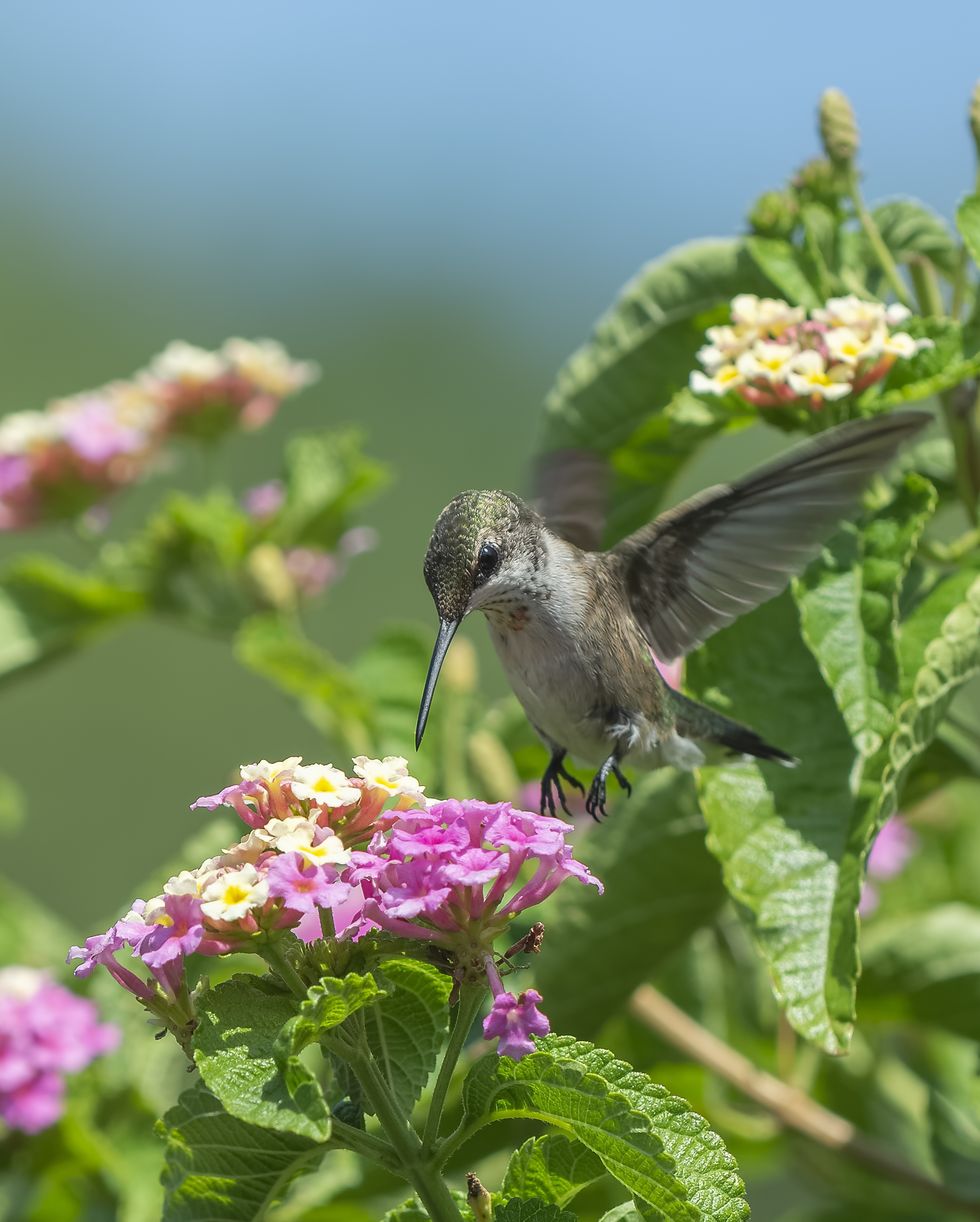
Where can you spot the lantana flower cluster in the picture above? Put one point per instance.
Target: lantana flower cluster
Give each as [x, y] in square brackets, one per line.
[75, 453]
[331, 855]
[46, 1033]
[772, 354]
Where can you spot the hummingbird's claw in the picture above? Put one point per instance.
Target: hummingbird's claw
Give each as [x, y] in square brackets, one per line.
[551, 782]
[595, 804]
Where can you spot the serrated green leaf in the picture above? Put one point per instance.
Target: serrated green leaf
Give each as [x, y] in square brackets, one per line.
[930, 963]
[781, 834]
[910, 229]
[407, 1027]
[574, 1100]
[642, 350]
[702, 1162]
[235, 1049]
[968, 223]
[652, 858]
[782, 263]
[48, 609]
[220, 1169]
[551, 1168]
[531, 1210]
[327, 1005]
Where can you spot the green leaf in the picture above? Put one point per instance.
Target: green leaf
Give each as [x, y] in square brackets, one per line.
[220, 1169]
[235, 1048]
[627, 1212]
[911, 229]
[325, 691]
[47, 609]
[820, 240]
[329, 1003]
[930, 371]
[413, 1210]
[652, 859]
[406, 1028]
[531, 1210]
[783, 835]
[565, 1094]
[968, 222]
[702, 1162]
[781, 263]
[930, 963]
[551, 1168]
[642, 350]
[327, 476]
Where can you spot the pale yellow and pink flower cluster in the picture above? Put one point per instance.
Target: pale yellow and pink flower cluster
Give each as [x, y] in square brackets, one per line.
[76, 452]
[772, 354]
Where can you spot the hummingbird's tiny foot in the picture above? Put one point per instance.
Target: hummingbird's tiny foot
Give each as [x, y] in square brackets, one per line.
[623, 783]
[550, 784]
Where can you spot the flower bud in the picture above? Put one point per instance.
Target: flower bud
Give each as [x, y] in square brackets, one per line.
[975, 116]
[266, 567]
[459, 669]
[818, 182]
[478, 1199]
[838, 127]
[774, 214]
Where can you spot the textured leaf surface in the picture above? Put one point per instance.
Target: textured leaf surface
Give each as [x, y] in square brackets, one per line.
[582, 1104]
[220, 1169]
[327, 1005]
[516, 1210]
[407, 1027]
[968, 223]
[702, 1161]
[642, 350]
[551, 1168]
[909, 229]
[327, 475]
[930, 962]
[235, 1050]
[782, 263]
[652, 858]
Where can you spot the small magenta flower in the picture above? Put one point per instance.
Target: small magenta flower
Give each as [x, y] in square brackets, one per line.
[178, 931]
[304, 887]
[893, 846]
[46, 1032]
[265, 500]
[513, 1020]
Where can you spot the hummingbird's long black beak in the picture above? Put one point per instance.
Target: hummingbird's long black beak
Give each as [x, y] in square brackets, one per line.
[447, 630]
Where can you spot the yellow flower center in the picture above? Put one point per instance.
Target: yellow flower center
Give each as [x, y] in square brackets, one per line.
[234, 893]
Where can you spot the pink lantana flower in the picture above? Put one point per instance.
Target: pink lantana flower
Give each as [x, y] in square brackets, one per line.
[893, 846]
[513, 1020]
[46, 1032]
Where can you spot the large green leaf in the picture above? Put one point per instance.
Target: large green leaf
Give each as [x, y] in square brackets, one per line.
[235, 1048]
[929, 964]
[47, 609]
[531, 1210]
[329, 1003]
[702, 1163]
[564, 1093]
[661, 884]
[910, 229]
[220, 1169]
[642, 350]
[785, 266]
[551, 1168]
[406, 1028]
[968, 222]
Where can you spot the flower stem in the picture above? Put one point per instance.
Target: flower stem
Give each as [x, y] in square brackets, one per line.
[470, 1000]
[420, 1173]
[277, 960]
[876, 241]
[926, 284]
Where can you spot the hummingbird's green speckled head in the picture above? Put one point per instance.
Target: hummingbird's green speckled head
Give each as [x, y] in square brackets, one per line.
[469, 563]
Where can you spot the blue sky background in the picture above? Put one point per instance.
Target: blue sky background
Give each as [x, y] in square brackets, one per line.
[432, 200]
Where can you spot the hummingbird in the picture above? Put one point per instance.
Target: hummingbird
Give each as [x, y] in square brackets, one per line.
[576, 630]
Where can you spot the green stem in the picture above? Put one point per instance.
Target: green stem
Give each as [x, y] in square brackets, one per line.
[959, 282]
[954, 552]
[470, 1000]
[420, 1173]
[876, 241]
[366, 1144]
[926, 285]
[277, 960]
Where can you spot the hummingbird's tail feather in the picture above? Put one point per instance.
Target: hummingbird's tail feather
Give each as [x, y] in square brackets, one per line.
[697, 721]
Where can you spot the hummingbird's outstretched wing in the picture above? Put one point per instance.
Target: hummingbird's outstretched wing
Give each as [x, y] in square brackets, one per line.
[570, 494]
[728, 549]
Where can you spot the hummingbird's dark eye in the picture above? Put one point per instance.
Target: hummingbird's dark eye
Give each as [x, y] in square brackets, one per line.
[486, 563]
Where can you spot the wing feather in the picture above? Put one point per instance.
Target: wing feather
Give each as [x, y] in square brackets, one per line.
[728, 549]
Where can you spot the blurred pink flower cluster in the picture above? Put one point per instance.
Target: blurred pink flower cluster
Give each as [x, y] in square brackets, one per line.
[893, 846]
[46, 1032]
[74, 454]
[331, 855]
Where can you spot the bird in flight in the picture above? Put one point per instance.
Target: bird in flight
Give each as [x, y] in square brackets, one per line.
[576, 629]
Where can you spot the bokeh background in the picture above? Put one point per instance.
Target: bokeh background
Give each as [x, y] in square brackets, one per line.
[434, 202]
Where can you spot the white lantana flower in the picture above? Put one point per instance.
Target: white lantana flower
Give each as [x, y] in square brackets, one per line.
[299, 835]
[390, 774]
[323, 785]
[187, 364]
[768, 360]
[809, 376]
[850, 311]
[21, 982]
[900, 343]
[264, 771]
[725, 379]
[770, 314]
[269, 366]
[846, 345]
[21, 432]
[233, 894]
